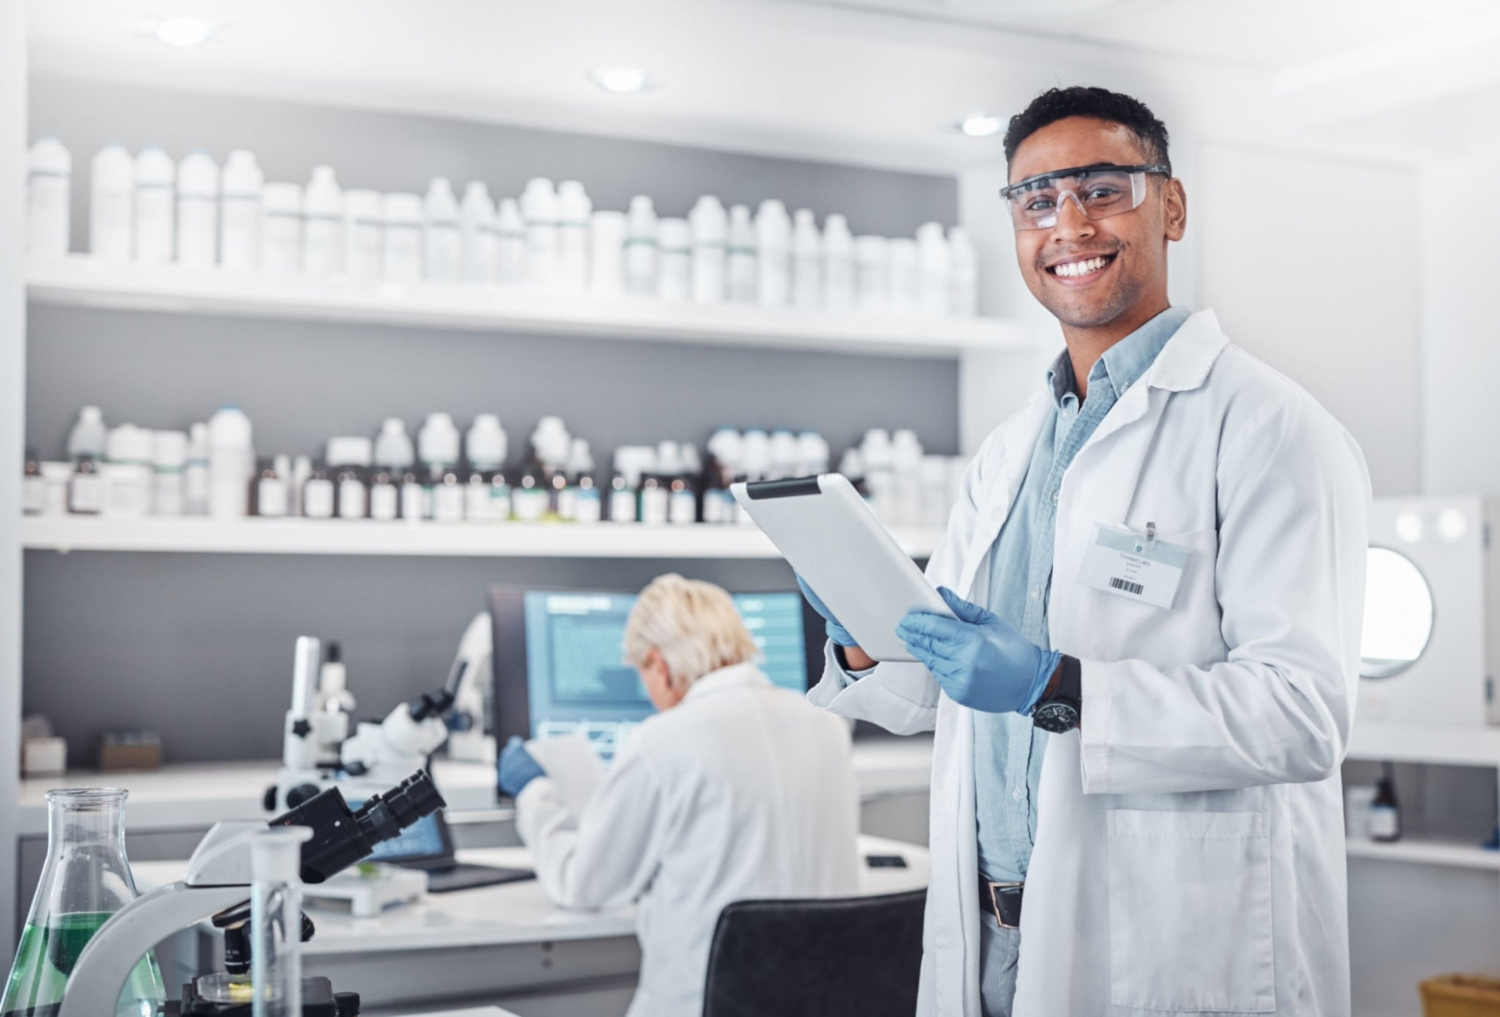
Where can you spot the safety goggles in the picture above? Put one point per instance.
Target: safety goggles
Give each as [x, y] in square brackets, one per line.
[1100, 191]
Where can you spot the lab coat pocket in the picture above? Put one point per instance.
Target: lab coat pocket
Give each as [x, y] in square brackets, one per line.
[1190, 911]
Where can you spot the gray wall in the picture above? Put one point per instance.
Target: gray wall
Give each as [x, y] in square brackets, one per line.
[199, 647]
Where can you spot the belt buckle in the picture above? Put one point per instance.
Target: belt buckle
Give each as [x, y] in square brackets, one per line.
[995, 903]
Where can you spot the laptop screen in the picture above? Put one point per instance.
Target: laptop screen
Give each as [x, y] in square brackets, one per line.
[421, 841]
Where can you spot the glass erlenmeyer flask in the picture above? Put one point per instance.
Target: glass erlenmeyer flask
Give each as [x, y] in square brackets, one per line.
[85, 881]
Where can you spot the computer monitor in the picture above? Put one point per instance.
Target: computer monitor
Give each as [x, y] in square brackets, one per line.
[559, 660]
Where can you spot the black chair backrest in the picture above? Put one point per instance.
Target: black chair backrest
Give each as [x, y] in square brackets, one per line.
[853, 957]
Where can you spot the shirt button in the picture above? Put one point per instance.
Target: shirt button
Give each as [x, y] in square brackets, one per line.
[1055, 496]
[1036, 593]
[1016, 794]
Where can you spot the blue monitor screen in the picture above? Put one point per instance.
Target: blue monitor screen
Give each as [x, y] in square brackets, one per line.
[577, 679]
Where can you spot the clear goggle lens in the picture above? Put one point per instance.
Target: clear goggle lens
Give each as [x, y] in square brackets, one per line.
[1098, 192]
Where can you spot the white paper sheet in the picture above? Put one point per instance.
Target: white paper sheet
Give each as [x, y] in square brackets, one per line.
[572, 765]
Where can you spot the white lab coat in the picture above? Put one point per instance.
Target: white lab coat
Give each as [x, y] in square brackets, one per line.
[1189, 849]
[740, 791]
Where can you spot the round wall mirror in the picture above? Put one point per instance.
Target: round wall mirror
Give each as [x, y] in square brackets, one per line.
[1398, 614]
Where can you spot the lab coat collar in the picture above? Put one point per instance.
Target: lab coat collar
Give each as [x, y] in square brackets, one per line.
[1184, 363]
[736, 676]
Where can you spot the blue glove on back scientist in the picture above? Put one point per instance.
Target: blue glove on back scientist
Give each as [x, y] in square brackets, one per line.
[979, 660]
[517, 767]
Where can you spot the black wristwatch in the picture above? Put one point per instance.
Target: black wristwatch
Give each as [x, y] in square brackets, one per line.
[1060, 711]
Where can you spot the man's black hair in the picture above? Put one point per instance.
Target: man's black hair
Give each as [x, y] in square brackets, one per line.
[1085, 101]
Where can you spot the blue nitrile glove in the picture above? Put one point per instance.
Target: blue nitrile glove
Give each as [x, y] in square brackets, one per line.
[517, 767]
[836, 632]
[978, 659]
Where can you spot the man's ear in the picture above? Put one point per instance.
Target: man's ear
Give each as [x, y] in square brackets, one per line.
[1174, 209]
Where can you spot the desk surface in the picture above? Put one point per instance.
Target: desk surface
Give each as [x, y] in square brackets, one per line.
[514, 913]
[194, 795]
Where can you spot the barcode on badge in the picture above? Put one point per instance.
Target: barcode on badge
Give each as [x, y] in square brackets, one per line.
[1116, 583]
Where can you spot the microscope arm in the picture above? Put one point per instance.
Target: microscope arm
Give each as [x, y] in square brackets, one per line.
[119, 945]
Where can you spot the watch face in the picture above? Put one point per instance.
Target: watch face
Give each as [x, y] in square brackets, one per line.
[1056, 717]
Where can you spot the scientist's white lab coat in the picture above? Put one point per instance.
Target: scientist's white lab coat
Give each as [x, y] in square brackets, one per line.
[1189, 849]
[740, 791]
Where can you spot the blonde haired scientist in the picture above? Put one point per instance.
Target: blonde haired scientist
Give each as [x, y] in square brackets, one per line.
[735, 790]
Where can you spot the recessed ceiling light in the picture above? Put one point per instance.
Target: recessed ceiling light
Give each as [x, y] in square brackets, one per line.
[184, 32]
[980, 126]
[621, 80]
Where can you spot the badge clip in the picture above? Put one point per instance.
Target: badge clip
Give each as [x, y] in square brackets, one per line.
[1149, 542]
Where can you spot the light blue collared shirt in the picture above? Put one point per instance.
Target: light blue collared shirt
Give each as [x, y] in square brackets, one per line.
[1007, 747]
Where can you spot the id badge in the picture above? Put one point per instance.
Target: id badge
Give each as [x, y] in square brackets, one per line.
[1134, 566]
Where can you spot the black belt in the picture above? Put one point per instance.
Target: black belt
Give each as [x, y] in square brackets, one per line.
[1003, 900]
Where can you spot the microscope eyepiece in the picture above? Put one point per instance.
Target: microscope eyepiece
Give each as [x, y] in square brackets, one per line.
[342, 836]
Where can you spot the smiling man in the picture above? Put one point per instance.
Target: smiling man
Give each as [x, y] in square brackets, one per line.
[1156, 578]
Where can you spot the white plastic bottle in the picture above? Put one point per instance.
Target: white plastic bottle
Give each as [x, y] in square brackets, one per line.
[127, 472]
[88, 435]
[441, 244]
[364, 235]
[872, 274]
[573, 210]
[281, 229]
[539, 207]
[784, 454]
[742, 282]
[607, 254]
[231, 463]
[240, 212]
[812, 454]
[486, 446]
[168, 461]
[906, 467]
[476, 229]
[403, 236]
[963, 294]
[437, 446]
[710, 250]
[197, 210]
[322, 224]
[807, 262]
[195, 472]
[48, 198]
[641, 248]
[348, 461]
[773, 254]
[112, 204]
[510, 244]
[393, 453]
[155, 194]
[587, 500]
[838, 265]
[674, 268]
[904, 278]
[934, 278]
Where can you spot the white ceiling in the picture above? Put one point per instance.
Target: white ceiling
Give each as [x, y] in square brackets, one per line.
[873, 81]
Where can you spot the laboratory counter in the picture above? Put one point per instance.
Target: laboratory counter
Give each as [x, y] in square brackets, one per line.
[506, 944]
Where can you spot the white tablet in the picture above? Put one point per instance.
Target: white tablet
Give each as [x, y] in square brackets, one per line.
[828, 534]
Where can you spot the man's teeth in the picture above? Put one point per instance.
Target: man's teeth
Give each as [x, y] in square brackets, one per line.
[1073, 268]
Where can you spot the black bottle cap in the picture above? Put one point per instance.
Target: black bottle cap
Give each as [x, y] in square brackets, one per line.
[346, 1004]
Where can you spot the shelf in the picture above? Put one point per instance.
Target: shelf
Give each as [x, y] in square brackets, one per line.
[1427, 852]
[340, 536]
[1448, 746]
[79, 281]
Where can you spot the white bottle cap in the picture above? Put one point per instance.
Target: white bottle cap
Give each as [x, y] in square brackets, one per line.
[508, 217]
[198, 175]
[392, 446]
[48, 155]
[668, 458]
[852, 464]
[580, 460]
[876, 448]
[242, 176]
[477, 202]
[710, 221]
[772, 223]
[551, 441]
[727, 447]
[198, 441]
[836, 236]
[282, 198]
[691, 464]
[128, 444]
[783, 450]
[486, 442]
[930, 233]
[539, 201]
[574, 204]
[91, 415]
[757, 451]
[154, 168]
[402, 209]
[169, 449]
[674, 235]
[741, 229]
[362, 206]
[351, 450]
[441, 205]
[642, 218]
[113, 169]
[805, 235]
[906, 450]
[323, 195]
[812, 452]
[437, 442]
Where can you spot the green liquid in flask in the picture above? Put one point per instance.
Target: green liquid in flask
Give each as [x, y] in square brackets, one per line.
[46, 958]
